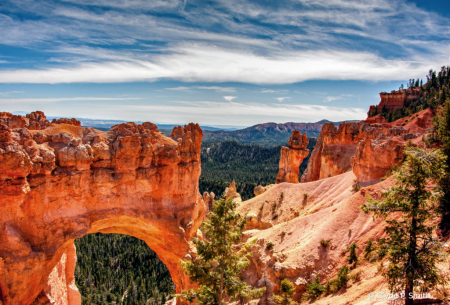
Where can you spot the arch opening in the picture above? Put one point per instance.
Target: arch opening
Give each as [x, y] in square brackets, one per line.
[122, 269]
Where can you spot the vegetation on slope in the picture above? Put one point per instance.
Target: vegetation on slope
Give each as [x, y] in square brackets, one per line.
[248, 165]
[120, 269]
[432, 94]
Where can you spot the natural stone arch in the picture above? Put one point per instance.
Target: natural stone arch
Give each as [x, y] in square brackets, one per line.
[65, 181]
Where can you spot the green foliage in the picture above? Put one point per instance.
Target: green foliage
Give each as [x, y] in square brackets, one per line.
[325, 242]
[248, 165]
[274, 216]
[356, 187]
[342, 278]
[412, 251]
[266, 137]
[269, 246]
[352, 257]
[112, 266]
[441, 133]
[368, 249]
[432, 94]
[314, 290]
[287, 291]
[220, 259]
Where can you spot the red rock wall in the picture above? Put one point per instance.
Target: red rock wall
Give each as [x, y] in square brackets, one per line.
[397, 99]
[334, 148]
[61, 182]
[376, 148]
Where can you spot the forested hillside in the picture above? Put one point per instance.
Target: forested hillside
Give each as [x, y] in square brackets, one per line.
[248, 165]
[121, 269]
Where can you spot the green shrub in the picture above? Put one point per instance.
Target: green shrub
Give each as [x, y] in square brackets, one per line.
[274, 216]
[325, 243]
[356, 187]
[269, 246]
[342, 278]
[313, 290]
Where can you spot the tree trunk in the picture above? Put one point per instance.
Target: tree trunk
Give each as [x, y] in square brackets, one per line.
[221, 289]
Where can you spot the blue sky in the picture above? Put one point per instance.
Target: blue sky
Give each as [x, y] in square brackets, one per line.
[215, 62]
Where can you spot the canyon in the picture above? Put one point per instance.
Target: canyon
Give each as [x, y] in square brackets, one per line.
[60, 181]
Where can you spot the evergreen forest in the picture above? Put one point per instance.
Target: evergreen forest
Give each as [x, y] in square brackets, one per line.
[120, 269]
[248, 165]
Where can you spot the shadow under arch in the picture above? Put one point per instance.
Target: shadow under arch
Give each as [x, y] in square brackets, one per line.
[131, 180]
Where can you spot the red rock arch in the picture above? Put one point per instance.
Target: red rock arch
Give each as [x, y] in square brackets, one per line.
[64, 181]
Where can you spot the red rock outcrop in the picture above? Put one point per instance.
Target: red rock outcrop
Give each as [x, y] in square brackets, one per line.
[379, 151]
[231, 192]
[396, 99]
[291, 157]
[72, 121]
[59, 182]
[334, 148]
[376, 147]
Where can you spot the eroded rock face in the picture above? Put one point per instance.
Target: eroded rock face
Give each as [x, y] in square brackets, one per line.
[59, 182]
[231, 192]
[334, 148]
[291, 157]
[379, 152]
[72, 121]
[371, 149]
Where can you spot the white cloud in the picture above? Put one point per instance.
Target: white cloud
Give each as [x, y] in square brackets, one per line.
[335, 98]
[193, 62]
[61, 99]
[179, 88]
[269, 91]
[281, 99]
[230, 98]
[217, 88]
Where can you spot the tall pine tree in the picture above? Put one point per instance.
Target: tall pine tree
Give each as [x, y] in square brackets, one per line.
[220, 259]
[408, 209]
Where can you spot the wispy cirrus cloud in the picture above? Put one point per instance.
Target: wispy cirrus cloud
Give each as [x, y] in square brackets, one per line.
[215, 88]
[135, 41]
[336, 98]
[62, 99]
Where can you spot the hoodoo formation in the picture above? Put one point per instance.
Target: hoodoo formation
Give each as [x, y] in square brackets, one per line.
[60, 182]
[291, 157]
[370, 149]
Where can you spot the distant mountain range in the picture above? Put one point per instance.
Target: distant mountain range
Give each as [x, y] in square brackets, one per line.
[266, 134]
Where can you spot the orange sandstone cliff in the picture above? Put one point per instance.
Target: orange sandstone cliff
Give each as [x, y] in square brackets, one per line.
[291, 157]
[60, 181]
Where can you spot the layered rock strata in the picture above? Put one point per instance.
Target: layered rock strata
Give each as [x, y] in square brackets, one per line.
[59, 182]
[376, 148]
[291, 157]
[334, 148]
[379, 151]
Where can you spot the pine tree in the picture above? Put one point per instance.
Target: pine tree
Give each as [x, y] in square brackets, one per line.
[287, 290]
[441, 124]
[352, 257]
[220, 259]
[412, 251]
